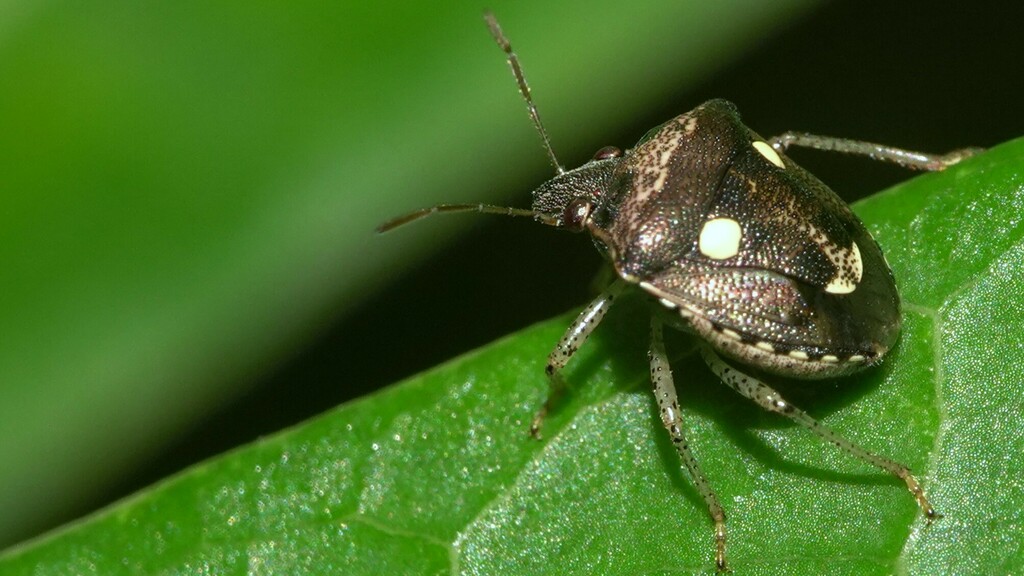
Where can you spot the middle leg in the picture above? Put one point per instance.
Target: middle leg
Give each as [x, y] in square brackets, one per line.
[668, 408]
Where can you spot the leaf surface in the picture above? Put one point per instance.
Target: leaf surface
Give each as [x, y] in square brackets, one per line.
[188, 191]
[436, 475]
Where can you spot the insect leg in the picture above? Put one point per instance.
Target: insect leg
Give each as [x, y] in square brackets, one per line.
[880, 152]
[668, 408]
[574, 337]
[770, 400]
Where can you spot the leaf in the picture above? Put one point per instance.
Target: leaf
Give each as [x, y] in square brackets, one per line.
[189, 190]
[436, 475]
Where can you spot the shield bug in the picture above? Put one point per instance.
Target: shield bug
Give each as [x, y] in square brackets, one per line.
[737, 245]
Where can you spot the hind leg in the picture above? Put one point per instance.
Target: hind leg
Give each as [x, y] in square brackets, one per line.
[770, 400]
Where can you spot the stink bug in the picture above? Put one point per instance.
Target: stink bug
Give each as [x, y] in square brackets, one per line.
[737, 245]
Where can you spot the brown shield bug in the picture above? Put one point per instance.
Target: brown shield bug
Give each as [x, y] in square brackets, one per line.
[739, 246]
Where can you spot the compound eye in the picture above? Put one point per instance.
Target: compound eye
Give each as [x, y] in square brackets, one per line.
[576, 214]
[607, 152]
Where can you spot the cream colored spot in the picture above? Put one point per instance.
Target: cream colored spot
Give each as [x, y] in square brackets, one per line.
[720, 238]
[856, 358]
[731, 333]
[829, 358]
[766, 150]
[849, 266]
[767, 347]
[667, 303]
[690, 125]
[798, 354]
[851, 270]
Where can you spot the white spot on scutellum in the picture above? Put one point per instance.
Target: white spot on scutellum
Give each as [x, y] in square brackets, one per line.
[720, 238]
[850, 269]
[769, 153]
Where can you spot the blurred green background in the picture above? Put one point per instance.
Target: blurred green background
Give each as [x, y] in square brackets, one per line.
[188, 191]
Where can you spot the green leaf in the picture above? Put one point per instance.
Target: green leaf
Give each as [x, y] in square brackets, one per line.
[437, 475]
[188, 190]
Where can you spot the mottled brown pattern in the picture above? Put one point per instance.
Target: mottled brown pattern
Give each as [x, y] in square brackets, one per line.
[796, 283]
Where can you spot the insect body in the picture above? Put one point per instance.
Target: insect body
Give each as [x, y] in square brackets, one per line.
[741, 247]
[757, 256]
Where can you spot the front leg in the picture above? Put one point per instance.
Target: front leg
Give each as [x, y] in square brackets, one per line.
[571, 341]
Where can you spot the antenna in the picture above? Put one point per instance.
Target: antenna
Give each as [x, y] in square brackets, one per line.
[524, 88]
[449, 208]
